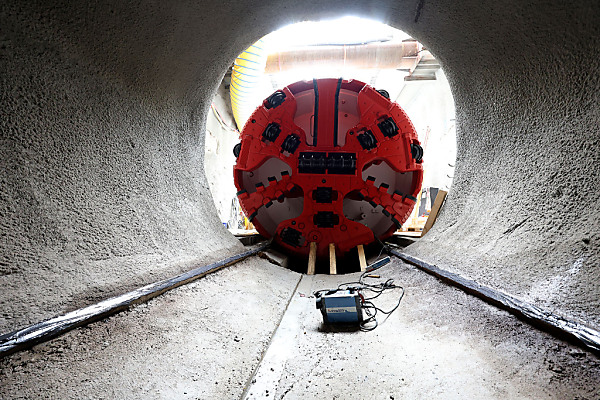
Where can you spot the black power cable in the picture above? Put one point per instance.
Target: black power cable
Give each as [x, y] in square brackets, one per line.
[362, 288]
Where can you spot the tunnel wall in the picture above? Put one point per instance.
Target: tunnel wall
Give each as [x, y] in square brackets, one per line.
[103, 108]
[522, 215]
[102, 149]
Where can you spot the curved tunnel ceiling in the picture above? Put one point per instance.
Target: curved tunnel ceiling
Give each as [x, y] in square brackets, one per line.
[103, 115]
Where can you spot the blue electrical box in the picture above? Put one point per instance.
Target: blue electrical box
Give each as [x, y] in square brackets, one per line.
[340, 307]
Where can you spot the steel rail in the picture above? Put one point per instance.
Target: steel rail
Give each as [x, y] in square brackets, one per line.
[559, 326]
[42, 331]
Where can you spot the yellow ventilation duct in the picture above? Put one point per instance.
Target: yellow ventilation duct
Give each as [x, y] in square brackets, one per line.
[247, 71]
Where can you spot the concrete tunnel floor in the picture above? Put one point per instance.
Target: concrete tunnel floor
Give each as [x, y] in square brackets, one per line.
[251, 330]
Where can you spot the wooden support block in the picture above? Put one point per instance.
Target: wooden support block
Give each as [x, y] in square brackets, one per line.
[312, 258]
[435, 209]
[332, 265]
[361, 257]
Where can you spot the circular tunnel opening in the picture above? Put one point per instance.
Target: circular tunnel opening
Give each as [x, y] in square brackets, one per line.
[349, 48]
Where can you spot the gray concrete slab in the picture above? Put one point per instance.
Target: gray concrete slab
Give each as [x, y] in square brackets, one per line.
[200, 341]
[440, 344]
[214, 338]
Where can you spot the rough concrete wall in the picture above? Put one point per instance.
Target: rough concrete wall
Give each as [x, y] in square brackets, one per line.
[101, 150]
[103, 108]
[522, 215]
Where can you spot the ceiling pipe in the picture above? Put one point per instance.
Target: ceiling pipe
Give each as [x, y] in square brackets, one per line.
[253, 63]
[380, 55]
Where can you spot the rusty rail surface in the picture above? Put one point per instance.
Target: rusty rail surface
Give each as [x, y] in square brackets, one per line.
[561, 327]
[42, 331]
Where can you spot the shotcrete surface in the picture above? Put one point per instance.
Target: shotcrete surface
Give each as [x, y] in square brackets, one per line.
[522, 214]
[206, 340]
[103, 188]
[440, 344]
[200, 341]
[103, 110]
